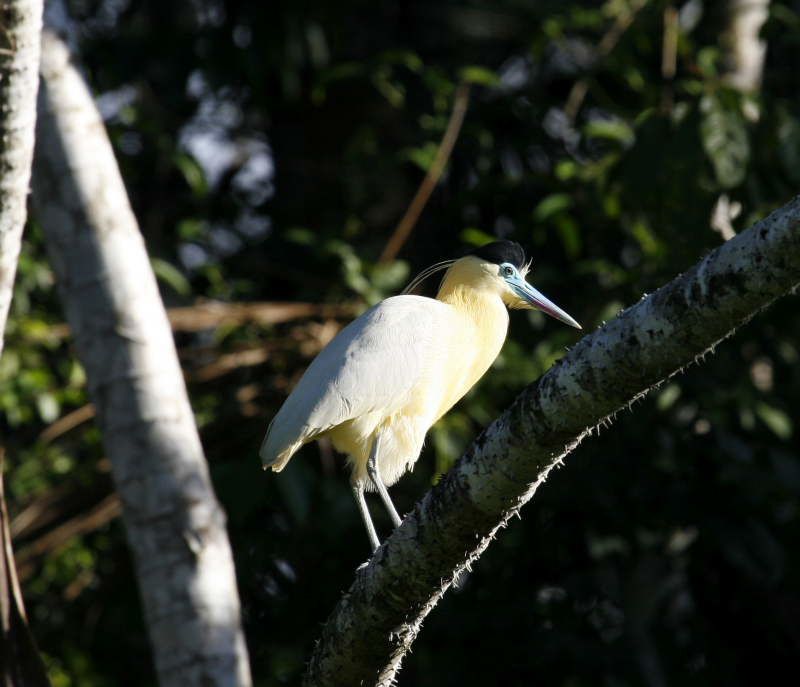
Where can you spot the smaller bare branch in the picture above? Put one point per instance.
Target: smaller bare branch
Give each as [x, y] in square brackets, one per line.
[53, 540]
[607, 43]
[431, 179]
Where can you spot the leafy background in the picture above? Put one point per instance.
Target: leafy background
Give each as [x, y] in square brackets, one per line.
[269, 150]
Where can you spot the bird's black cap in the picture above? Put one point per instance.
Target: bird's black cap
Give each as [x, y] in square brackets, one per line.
[501, 251]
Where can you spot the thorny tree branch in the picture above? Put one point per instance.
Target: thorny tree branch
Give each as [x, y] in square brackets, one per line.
[378, 618]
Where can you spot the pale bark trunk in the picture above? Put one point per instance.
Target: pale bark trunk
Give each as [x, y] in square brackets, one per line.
[175, 526]
[378, 618]
[745, 52]
[743, 57]
[21, 23]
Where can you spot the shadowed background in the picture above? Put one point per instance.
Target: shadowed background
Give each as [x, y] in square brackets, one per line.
[270, 150]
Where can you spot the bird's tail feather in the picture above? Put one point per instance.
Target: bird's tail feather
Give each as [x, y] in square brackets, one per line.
[276, 459]
[277, 463]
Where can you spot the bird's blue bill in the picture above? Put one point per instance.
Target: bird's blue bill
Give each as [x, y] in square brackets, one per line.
[537, 300]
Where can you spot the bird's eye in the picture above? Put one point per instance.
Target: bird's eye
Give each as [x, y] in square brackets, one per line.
[508, 271]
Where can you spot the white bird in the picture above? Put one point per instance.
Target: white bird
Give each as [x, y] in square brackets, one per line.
[387, 377]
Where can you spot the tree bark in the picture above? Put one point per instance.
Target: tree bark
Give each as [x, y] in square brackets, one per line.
[744, 51]
[21, 23]
[175, 526]
[378, 618]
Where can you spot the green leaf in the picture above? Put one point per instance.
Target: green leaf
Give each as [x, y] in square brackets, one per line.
[774, 418]
[302, 236]
[171, 276]
[391, 89]
[423, 156]
[388, 278]
[566, 170]
[479, 75]
[570, 235]
[725, 142]
[610, 129]
[192, 173]
[191, 229]
[669, 394]
[48, 407]
[646, 239]
[407, 58]
[476, 237]
[551, 205]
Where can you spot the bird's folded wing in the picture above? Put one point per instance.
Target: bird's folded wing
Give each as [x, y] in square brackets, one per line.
[371, 365]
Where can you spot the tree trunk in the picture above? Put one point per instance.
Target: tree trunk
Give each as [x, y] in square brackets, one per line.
[378, 618]
[744, 51]
[175, 526]
[21, 23]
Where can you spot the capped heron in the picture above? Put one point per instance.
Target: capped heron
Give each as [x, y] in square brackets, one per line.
[387, 377]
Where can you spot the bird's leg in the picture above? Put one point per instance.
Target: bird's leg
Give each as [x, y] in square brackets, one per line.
[358, 492]
[372, 469]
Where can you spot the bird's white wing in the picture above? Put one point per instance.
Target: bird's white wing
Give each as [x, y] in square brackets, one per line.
[372, 364]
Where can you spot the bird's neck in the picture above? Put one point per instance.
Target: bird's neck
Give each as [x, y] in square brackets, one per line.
[477, 332]
[483, 309]
[479, 307]
[467, 289]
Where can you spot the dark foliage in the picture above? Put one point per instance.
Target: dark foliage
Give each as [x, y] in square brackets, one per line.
[269, 150]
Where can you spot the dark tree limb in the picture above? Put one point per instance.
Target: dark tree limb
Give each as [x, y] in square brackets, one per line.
[378, 618]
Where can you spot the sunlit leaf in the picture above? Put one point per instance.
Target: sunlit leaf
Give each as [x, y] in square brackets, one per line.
[192, 173]
[667, 396]
[423, 155]
[551, 205]
[479, 75]
[171, 276]
[774, 418]
[476, 237]
[611, 129]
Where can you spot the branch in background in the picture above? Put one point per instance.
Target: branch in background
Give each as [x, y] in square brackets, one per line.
[211, 314]
[228, 362]
[669, 43]
[607, 43]
[20, 663]
[669, 55]
[67, 423]
[175, 526]
[52, 540]
[376, 621]
[409, 220]
[20, 27]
